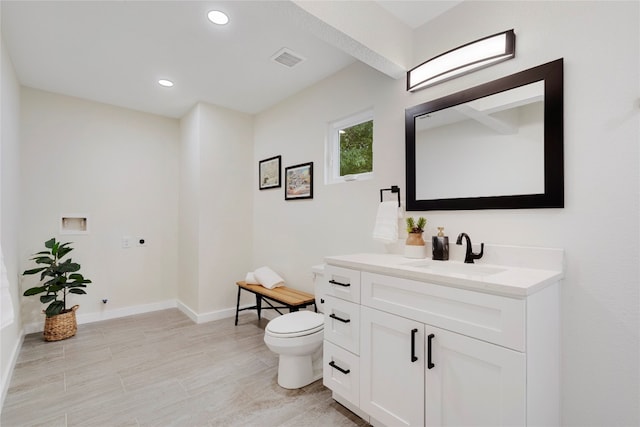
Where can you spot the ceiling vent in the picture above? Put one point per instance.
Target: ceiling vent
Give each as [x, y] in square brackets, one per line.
[287, 57]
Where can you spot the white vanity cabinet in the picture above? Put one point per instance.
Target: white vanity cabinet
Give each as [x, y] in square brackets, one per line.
[341, 348]
[434, 354]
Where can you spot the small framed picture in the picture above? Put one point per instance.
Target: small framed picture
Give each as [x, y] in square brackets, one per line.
[298, 182]
[269, 173]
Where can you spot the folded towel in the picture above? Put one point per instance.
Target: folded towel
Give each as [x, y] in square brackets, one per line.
[250, 279]
[268, 278]
[386, 227]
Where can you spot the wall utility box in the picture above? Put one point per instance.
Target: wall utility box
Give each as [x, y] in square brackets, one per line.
[74, 224]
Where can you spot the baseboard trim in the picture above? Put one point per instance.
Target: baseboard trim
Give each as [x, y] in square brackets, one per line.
[211, 316]
[6, 377]
[108, 314]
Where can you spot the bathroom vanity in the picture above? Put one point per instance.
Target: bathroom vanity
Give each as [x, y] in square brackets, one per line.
[422, 342]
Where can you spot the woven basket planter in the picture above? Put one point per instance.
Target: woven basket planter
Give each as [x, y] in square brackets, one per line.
[61, 326]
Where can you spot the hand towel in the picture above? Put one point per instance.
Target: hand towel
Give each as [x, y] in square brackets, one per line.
[268, 278]
[386, 227]
[250, 279]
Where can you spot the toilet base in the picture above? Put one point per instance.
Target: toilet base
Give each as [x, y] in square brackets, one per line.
[299, 371]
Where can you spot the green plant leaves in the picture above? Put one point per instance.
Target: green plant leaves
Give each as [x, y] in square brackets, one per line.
[63, 249]
[34, 271]
[68, 267]
[54, 308]
[34, 291]
[62, 276]
[47, 298]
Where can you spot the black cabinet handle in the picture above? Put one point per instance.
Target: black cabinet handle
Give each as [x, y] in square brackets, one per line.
[344, 371]
[413, 345]
[340, 319]
[333, 282]
[429, 363]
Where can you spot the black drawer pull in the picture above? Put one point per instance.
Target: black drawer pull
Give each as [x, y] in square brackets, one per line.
[429, 364]
[340, 319]
[333, 282]
[413, 345]
[344, 371]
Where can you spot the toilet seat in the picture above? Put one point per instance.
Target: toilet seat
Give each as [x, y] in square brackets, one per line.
[296, 324]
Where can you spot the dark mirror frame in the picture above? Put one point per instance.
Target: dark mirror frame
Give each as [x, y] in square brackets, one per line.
[553, 197]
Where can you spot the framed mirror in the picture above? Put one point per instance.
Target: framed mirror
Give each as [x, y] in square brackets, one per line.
[495, 146]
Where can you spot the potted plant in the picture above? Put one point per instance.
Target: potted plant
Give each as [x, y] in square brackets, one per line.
[57, 279]
[414, 246]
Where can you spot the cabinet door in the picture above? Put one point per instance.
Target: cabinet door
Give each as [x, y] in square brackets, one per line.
[391, 368]
[471, 382]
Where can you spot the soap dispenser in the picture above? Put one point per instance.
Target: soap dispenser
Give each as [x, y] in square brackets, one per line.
[440, 246]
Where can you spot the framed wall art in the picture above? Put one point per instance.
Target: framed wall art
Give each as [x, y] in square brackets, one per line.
[269, 172]
[298, 182]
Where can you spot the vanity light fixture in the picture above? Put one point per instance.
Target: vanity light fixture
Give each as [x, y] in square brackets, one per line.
[165, 82]
[462, 60]
[218, 17]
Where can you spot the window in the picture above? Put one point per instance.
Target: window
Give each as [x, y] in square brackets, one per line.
[350, 148]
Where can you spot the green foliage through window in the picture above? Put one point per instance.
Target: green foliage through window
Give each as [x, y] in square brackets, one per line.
[356, 149]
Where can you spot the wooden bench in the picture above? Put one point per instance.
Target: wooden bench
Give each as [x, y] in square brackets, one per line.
[290, 298]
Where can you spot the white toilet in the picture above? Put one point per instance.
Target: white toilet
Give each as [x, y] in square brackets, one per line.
[297, 339]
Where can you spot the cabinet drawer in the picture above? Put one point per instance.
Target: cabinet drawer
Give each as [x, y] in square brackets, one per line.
[491, 318]
[341, 372]
[342, 323]
[343, 283]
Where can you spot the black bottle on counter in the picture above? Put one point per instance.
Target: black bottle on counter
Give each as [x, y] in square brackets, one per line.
[440, 246]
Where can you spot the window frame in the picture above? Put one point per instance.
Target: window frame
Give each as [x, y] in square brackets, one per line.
[332, 150]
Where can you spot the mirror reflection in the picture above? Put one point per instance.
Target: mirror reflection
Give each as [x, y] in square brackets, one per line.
[498, 141]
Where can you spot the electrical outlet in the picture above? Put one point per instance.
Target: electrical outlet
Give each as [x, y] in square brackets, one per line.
[126, 242]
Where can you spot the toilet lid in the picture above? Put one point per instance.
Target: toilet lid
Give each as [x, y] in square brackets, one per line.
[296, 324]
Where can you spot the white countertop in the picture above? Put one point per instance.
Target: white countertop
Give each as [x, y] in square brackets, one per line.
[511, 281]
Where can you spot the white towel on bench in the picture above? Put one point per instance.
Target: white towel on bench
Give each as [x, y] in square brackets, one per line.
[250, 279]
[268, 278]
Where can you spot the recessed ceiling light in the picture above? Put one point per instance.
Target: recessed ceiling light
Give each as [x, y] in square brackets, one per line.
[217, 17]
[165, 83]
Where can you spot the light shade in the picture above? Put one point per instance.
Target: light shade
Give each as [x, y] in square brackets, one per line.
[462, 60]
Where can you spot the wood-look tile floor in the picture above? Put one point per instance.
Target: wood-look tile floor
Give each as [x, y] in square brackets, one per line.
[161, 369]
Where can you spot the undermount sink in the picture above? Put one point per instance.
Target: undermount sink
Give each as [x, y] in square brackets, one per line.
[452, 267]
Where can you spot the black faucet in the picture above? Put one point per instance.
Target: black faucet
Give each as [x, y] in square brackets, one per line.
[469, 255]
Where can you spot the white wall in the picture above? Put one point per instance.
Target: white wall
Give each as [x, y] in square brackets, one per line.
[216, 203]
[598, 227]
[120, 168]
[225, 204]
[11, 335]
[291, 236]
[189, 223]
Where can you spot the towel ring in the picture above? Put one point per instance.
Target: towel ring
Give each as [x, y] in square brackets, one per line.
[393, 189]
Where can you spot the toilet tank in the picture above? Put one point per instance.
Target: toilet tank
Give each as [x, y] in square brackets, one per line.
[320, 286]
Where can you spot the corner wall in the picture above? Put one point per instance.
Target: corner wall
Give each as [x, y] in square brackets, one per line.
[120, 168]
[215, 208]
